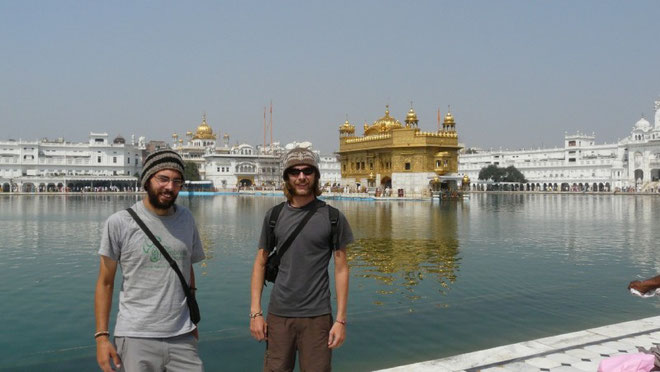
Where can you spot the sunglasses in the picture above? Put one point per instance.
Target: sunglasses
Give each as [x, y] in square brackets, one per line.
[296, 172]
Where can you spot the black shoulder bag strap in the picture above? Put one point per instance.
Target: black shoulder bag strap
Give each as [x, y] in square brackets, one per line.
[190, 297]
[317, 204]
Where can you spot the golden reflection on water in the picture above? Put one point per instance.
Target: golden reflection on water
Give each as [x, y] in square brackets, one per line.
[401, 245]
[407, 260]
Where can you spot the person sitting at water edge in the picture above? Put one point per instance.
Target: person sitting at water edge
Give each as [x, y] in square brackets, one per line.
[300, 311]
[154, 330]
[645, 286]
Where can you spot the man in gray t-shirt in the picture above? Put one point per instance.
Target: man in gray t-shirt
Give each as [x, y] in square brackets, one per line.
[153, 329]
[299, 312]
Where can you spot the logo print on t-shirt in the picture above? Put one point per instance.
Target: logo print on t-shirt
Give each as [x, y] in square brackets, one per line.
[150, 249]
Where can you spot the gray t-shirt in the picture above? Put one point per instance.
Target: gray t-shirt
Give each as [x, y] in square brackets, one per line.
[302, 286]
[151, 301]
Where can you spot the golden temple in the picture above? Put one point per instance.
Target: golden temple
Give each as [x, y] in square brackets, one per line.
[398, 155]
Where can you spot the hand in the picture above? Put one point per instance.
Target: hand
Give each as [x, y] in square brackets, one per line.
[259, 328]
[195, 333]
[104, 352]
[337, 335]
[640, 286]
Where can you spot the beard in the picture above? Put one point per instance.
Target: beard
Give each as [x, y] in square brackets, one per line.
[153, 198]
[306, 190]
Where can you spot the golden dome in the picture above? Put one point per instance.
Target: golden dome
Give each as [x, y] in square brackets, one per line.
[412, 116]
[449, 119]
[466, 179]
[347, 127]
[384, 124]
[204, 131]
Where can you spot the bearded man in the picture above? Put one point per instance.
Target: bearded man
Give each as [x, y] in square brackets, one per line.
[153, 331]
[300, 312]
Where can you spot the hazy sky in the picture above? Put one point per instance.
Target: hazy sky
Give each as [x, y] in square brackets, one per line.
[516, 73]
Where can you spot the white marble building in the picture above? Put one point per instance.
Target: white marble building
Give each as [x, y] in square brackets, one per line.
[243, 165]
[581, 164]
[330, 169]
[36, 166]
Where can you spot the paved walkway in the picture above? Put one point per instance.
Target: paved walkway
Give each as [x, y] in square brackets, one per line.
[572, 352]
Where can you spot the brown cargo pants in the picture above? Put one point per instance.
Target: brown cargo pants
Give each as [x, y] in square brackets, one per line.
[307, 336]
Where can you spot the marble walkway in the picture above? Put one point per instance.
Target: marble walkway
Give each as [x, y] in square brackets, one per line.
[572, 352]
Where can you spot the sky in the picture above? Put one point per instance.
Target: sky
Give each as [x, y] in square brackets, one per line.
[516, 74]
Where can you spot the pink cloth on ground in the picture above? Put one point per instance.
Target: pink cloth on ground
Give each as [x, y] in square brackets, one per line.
[638, 362]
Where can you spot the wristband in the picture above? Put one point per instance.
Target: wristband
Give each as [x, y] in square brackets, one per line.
[254, 315]
[101, 333]
[342, 322]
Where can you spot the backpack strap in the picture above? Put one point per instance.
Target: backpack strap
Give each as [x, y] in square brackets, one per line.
[274, 214]
[333, 213]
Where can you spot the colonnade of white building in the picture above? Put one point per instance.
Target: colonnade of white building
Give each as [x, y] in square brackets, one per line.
[631, 163]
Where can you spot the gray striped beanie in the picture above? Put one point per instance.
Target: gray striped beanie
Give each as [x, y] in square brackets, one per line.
[159, 160]
[299, 156]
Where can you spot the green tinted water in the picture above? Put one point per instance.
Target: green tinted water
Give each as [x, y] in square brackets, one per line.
[428, 280]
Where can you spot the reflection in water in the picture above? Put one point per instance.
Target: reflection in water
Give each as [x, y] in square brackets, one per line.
[405, 261]
[401, 245]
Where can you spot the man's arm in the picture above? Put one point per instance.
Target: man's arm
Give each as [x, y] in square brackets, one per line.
[258, 326]
[338, 330]
[102, 303]
[647, 285]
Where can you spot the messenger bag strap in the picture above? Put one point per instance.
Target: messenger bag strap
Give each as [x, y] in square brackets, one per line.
[186, 288]
[294, 234]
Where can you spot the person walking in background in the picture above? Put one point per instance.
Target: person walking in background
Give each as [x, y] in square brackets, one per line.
[154, 330]
[300, 312]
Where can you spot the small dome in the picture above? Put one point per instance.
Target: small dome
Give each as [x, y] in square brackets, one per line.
[449, 119]
[643, 124]
[119, 140]
[466, 179]
[411, 117]
[347, 127]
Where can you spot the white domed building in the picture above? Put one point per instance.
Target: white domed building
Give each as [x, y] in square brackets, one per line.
[632, 163]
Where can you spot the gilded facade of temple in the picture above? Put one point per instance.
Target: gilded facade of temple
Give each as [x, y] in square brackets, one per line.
[398, 155]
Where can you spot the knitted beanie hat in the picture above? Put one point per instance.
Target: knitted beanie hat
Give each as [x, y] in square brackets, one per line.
[159, 160]
[300, 156]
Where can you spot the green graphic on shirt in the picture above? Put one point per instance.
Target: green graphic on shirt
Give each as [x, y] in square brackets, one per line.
[149, 249]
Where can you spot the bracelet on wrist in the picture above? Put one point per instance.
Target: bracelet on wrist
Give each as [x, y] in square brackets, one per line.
[342, 322]
[254, 315]
[101, 333]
